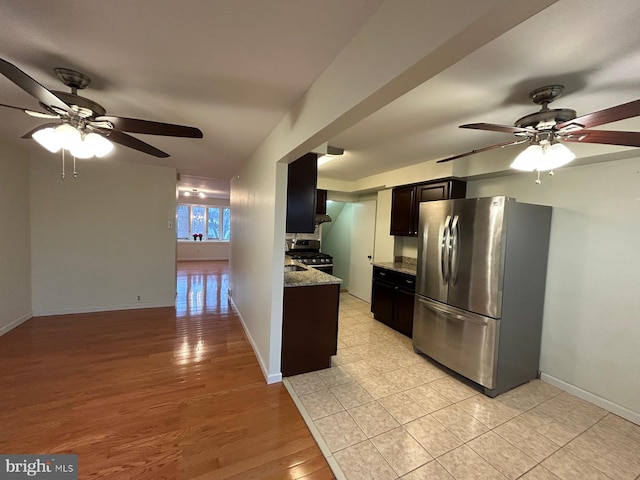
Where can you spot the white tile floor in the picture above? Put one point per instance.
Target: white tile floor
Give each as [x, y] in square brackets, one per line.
[384, 412]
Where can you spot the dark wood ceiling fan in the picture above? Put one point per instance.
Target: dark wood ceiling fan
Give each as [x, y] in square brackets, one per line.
[86, 115]
[551, 126]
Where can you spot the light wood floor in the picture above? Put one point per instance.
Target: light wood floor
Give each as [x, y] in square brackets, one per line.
[153, 394]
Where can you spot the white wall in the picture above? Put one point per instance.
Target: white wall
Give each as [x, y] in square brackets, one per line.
[257, 273]
[202, 250]
[591, 332]
[336, 239]
[15, 234]
[101, 240]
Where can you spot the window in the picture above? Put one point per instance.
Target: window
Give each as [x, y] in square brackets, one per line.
[214, 223]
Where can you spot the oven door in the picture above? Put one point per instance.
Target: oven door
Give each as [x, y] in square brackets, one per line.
[326, 268]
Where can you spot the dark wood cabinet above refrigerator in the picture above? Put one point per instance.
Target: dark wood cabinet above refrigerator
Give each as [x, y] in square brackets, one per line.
[301, 194]
[406, 199]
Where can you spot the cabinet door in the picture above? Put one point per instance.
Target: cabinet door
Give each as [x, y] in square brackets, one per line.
[382, 295]
[442, 190]
[403, 211]
[301, 194]
[404, 312]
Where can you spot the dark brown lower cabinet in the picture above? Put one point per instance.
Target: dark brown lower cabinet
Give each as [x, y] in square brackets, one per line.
[309, 328]
[392, 296]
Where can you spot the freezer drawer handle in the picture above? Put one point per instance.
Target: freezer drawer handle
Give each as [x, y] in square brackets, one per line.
[455, 316]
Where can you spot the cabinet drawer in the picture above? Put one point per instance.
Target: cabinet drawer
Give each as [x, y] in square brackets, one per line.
[383, 274]
[405, 281]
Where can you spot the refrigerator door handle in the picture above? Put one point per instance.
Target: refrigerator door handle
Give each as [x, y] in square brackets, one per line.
[454, 259]
[444, 249]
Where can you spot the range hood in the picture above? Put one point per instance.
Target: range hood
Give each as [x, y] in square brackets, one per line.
[322, 218]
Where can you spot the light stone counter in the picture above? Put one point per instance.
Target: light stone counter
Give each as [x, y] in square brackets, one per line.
[407, 267]
[308, 277]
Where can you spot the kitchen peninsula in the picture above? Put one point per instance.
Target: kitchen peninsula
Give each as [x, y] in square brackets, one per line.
[310, 318]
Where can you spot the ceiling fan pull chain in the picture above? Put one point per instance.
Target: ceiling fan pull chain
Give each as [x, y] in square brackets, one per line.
[75, 175]
[538, 181]
[63, 175]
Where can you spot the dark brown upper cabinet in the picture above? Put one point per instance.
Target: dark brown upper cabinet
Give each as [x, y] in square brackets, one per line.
[301, 194]
[406, 199]
[403, 206]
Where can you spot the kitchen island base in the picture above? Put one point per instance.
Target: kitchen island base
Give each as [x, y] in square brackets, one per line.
[309, 328]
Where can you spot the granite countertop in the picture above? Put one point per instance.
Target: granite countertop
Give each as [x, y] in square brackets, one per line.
[401, 264]
[308, 277]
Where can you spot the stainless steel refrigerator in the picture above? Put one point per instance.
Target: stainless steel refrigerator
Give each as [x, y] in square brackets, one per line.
[482, 265]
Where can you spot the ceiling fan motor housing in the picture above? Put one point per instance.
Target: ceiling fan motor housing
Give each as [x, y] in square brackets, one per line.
[546, 119]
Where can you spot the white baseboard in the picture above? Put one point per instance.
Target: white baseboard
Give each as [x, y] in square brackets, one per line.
[15, 323]
[269, 378]
[202, 259]
[104, 308]
[590, 397]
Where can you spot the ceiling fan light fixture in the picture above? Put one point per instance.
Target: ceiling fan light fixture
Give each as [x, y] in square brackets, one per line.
[99, 145]
[527, 160]
[82, 150]
[47, 138]
[556, 156]
[67, 136]
[542, 159]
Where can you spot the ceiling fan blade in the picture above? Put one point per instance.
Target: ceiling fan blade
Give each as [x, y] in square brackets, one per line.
[132, 142]
[134, 125]
[32, 113]
[480, 150]
[628, 139]
[31, 86]
[39, 127]
[608, 115]
[497, 128]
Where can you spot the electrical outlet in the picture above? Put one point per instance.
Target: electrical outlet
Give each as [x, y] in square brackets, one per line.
[138, 297]
[170, 224]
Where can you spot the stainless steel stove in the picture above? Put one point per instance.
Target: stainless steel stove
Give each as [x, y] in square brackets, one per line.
[308, 253]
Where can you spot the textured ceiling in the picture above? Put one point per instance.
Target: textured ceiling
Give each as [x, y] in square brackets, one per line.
[233, 68]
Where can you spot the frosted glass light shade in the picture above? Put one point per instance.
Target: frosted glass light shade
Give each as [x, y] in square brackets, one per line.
[67, 136]
[556, 156]
[99, 145]
[527, 160]
[82, 150]
[534, 157]
[47, 138]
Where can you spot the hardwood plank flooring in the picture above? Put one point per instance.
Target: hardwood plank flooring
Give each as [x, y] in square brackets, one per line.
[153, 394]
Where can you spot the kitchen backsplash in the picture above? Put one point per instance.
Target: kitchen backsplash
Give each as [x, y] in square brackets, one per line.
[305, 236]
[406, 260]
